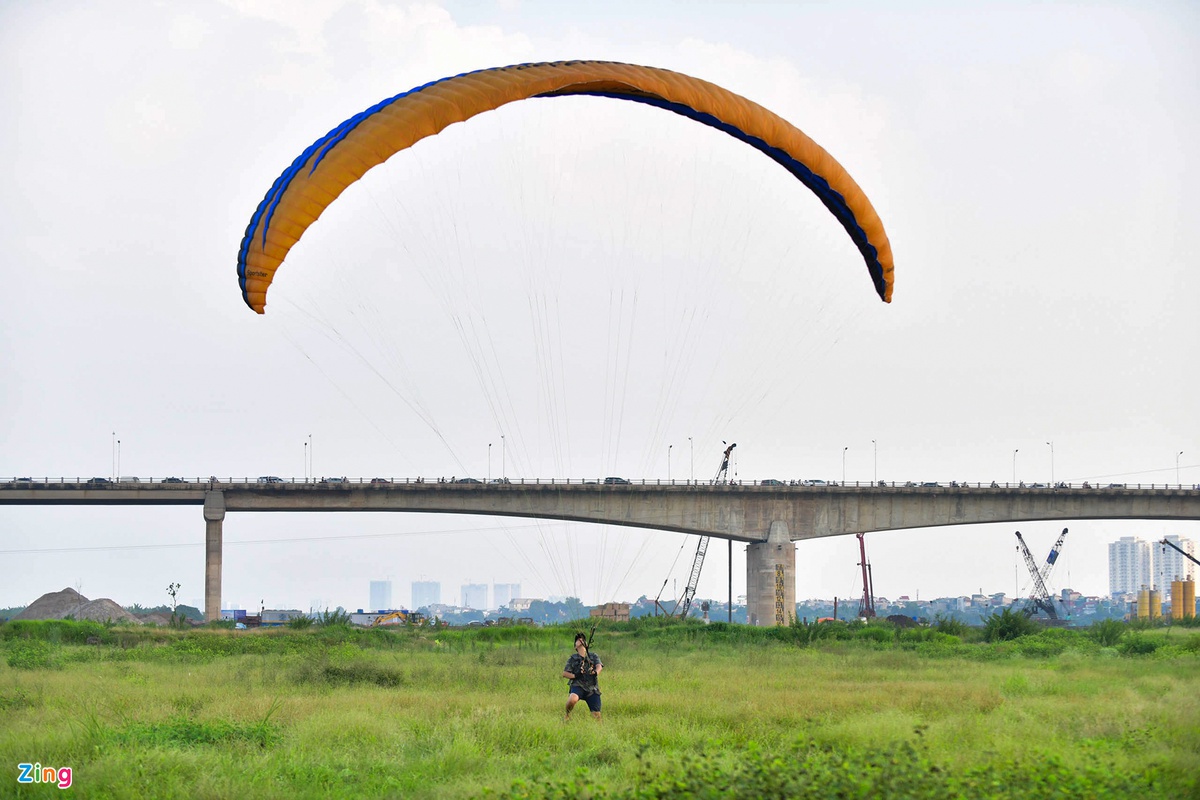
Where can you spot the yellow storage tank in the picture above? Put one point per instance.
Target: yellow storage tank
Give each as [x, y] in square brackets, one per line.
[1189, 598]
[1177, 601]
[1155, 604]
[1143, 604]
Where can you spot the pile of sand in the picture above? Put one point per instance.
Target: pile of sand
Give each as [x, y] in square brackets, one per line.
[68, 602]
[54, 605]
[162, 620]
[105, 610]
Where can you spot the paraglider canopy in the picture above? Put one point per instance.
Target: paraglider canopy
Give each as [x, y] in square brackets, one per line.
[339, 158]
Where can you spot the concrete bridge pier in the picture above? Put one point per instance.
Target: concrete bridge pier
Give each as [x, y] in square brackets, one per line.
[214, 518]
[771, 578]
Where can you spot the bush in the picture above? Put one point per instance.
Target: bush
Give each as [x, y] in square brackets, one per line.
[1008, 625]
[950, 625]
[300, 622]
[338, 616]
[1138, 645]
[876, 633]
[32, 654]
[1107, 632]
[56, 631]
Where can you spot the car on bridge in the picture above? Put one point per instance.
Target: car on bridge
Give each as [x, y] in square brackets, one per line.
[613, 481]
[269, 479]
[468, 480]
[172, 480]
[771, 482]
[98, 481]
[380, 480]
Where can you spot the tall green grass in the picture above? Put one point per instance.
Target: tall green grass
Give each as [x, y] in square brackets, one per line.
[860, 710]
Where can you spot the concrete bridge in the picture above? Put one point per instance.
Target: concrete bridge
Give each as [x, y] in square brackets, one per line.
[769, 516]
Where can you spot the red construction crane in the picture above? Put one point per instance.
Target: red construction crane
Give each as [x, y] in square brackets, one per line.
[866, 606]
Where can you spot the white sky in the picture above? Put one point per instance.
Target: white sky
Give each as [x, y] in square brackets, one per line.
[595, 280]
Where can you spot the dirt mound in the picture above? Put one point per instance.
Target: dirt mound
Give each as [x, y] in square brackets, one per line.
[68, 602]
[162, 620]
[54, 605]
[105, 610]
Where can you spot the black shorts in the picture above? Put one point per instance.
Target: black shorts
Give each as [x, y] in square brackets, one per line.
[592, 700]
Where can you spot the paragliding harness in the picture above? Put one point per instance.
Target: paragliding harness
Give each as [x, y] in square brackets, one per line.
[586, 678]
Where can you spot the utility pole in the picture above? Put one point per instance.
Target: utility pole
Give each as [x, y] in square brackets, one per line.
[669, 462]
[1015, 466]
[844, 449]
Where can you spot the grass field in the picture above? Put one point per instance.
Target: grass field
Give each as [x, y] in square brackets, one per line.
[689, 711]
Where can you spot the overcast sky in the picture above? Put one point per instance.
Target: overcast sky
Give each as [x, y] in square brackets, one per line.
[582, 287]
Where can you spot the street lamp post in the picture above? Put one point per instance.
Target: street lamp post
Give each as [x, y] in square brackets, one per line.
[669, 462]
[1051, 462]
[489, 462]
[875, 475]
[503, 452]
[306, 462]
[1015, 465]
[117, 477]
[114, 455]
[844, 449]
[692, 456]
[1177, 481]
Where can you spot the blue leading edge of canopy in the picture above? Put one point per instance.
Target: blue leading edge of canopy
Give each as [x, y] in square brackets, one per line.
[831, 198]
[267, 207]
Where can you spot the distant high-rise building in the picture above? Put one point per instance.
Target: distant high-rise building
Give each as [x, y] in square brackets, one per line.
[381, 595]
[503, 593]
[1170, 565]
[1130, 565]
[426, 593]
[474, 596]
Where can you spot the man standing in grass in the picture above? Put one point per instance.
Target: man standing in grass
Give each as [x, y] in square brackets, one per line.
[582, 669]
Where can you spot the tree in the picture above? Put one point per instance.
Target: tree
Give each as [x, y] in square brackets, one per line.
[173, 589]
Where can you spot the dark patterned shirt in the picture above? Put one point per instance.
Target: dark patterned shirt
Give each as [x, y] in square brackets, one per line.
[585, 677]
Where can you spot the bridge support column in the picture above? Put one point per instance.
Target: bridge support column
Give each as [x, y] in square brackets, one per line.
[771, 578]
[214, 518]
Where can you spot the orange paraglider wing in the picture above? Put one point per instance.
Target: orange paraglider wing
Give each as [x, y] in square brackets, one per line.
[339, 158]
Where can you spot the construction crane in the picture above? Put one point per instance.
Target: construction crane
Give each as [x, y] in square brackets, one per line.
[866, 606]
[685, 602]
[1183, 553]
[1040, 599]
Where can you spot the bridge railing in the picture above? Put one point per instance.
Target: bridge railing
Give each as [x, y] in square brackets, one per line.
[498, 483]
